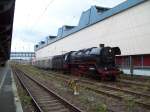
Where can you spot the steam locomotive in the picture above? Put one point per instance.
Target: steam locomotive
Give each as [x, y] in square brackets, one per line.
[96, 61]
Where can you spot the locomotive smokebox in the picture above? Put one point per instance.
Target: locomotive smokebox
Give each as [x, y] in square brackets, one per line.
[101, 45]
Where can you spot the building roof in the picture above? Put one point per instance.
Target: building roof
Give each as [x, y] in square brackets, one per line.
[90, 17]
[6, 25]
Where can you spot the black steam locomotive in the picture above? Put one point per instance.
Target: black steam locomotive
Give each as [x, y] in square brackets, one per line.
[98, 61]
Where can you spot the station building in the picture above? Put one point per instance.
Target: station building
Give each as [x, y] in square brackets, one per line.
[127, 26]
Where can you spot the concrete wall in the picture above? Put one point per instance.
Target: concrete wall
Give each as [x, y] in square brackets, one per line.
[145, 72]
[130, 30]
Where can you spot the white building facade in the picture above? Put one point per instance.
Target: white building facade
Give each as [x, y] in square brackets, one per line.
[126, 26]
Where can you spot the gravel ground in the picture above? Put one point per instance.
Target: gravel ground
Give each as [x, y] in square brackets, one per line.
[87, 100]
[25, 99]
[132, 87]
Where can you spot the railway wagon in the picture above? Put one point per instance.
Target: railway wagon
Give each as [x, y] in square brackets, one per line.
[45, 63]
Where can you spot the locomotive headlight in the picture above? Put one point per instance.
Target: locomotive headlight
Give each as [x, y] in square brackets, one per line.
[91, 68]
[109, 50]
[105, 68]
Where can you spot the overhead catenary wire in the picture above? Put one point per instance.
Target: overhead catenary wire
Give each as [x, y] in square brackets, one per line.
[36, 21]
[41, 15]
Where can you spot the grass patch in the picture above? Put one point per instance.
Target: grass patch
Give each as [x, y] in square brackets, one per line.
[130, 103]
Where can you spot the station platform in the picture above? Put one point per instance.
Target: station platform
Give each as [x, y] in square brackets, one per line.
[9, 100]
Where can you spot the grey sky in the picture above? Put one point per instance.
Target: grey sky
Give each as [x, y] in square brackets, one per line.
[36, 19]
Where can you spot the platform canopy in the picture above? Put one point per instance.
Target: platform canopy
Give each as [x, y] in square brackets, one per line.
[6, 25]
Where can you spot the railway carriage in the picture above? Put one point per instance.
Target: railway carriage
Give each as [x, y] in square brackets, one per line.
[45, 63]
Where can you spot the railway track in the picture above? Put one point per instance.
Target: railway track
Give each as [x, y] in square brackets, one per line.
[121, 81]
[116, 92]
[124, 81]
[110, 91]
[136, 78]
[44, 99]
[133, 82]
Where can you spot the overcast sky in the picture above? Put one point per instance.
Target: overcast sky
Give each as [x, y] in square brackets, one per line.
[36, 19]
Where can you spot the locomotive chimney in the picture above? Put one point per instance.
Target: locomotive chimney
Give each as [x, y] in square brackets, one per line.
[101, 45]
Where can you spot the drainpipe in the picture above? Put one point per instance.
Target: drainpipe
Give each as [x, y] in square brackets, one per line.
[131, 66]
[142, 61]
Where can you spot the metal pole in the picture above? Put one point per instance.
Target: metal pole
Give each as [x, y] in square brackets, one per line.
[131, 66]
[142, 61]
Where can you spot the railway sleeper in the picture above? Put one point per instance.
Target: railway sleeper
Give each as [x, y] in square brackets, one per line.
[50, 104]
[55, 108]
[47, 101]
[62, 110]
[44, 97]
